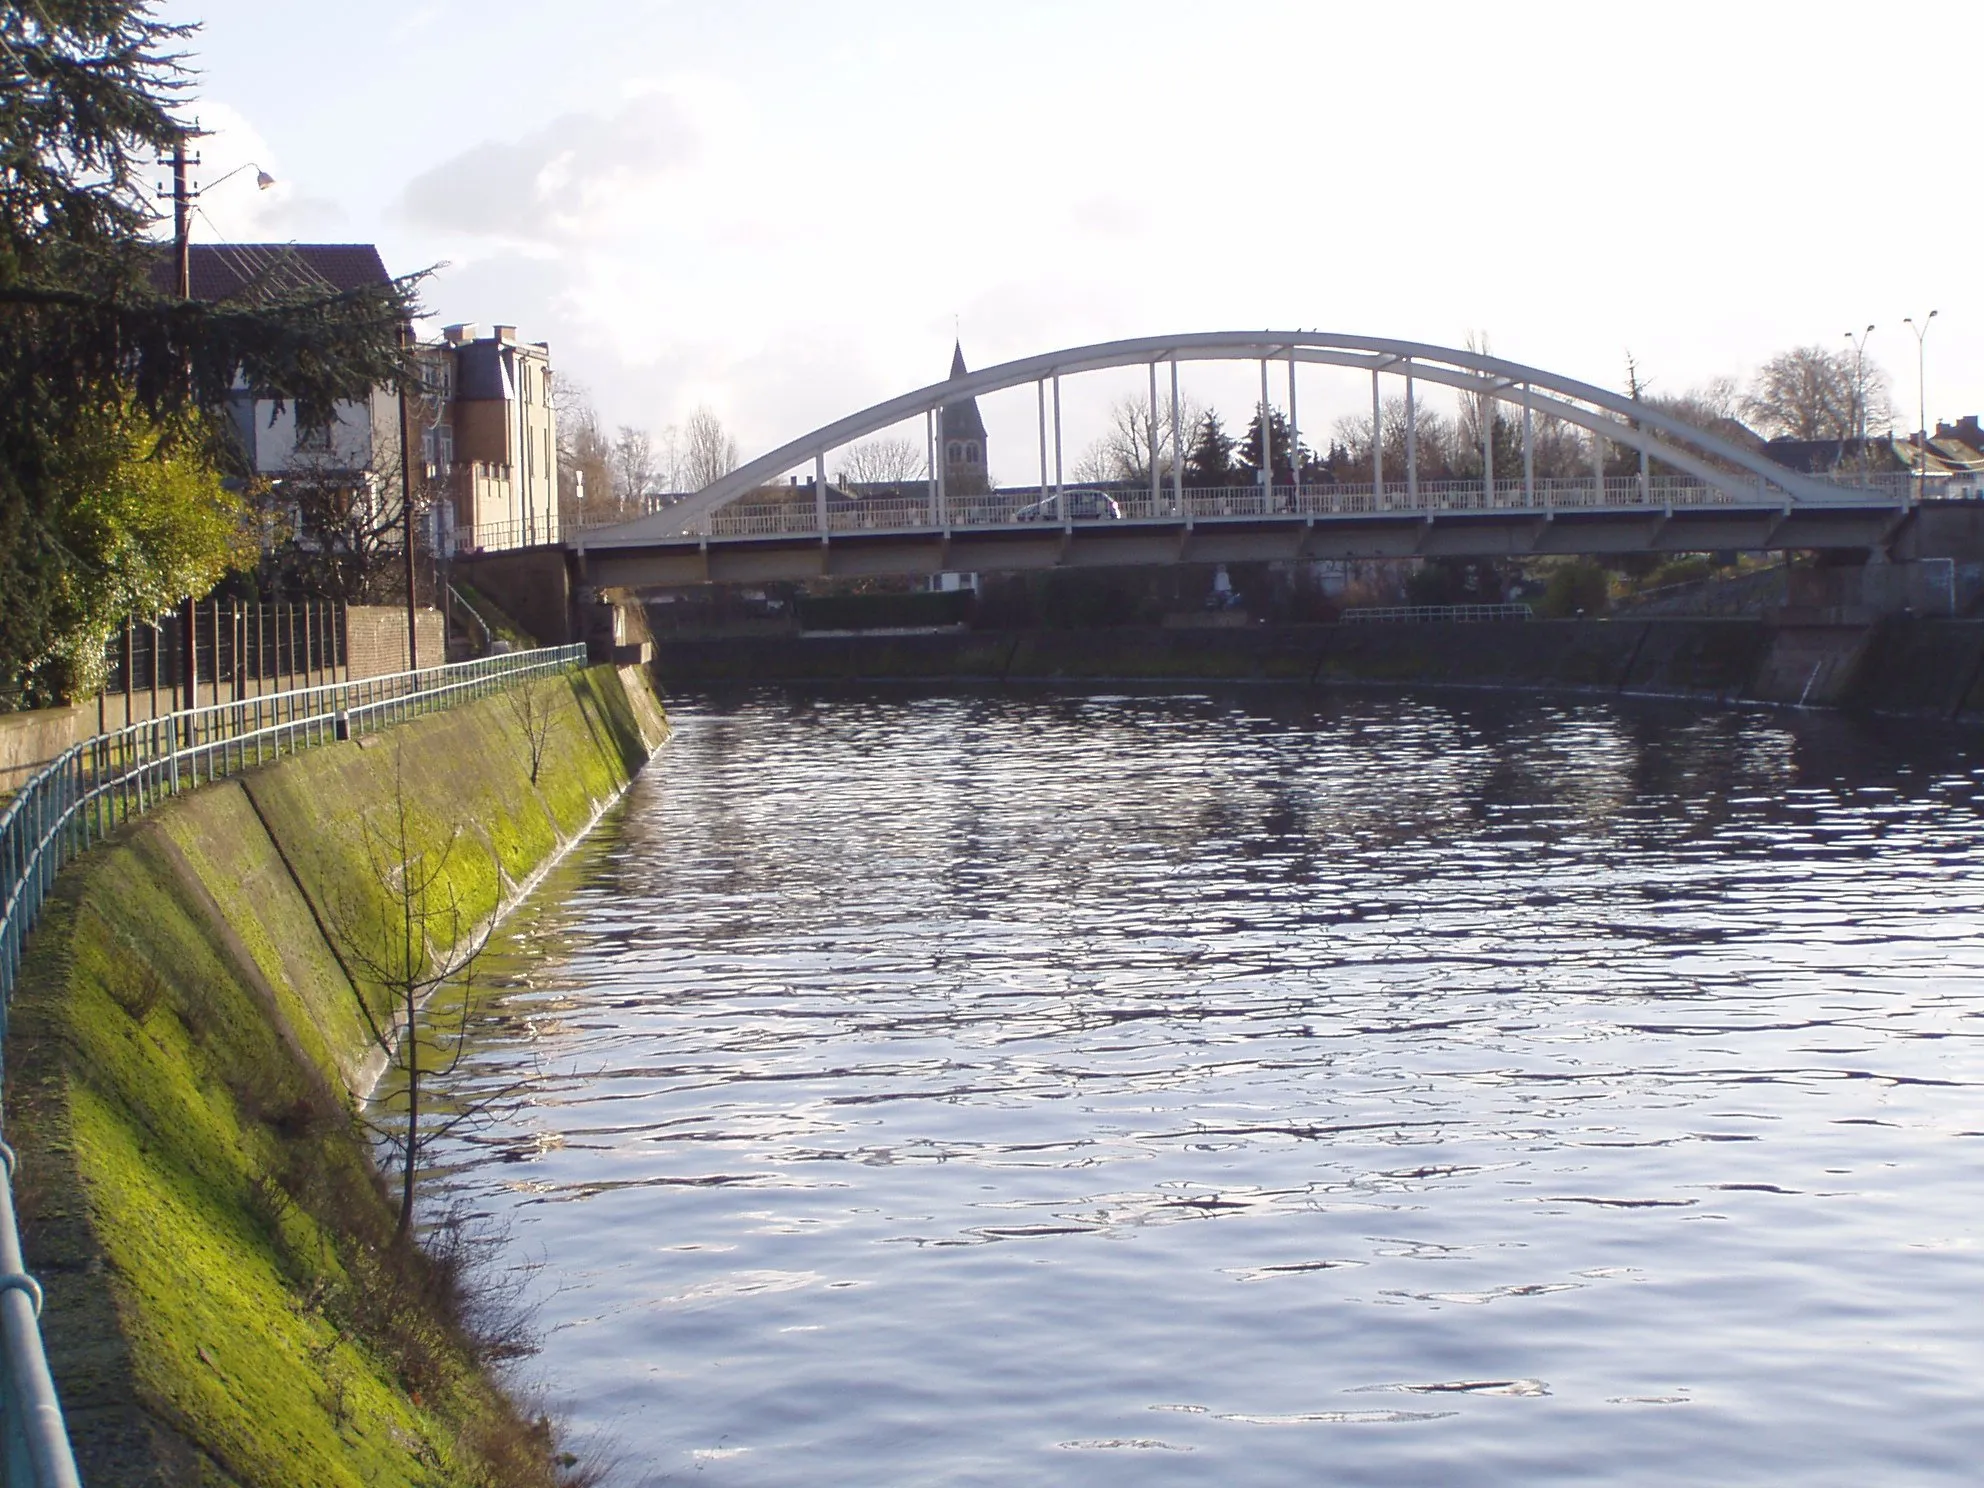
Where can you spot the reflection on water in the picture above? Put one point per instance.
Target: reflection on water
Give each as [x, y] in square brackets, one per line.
[1256, 1090]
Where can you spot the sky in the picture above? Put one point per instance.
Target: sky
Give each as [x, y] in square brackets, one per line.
[785, 210]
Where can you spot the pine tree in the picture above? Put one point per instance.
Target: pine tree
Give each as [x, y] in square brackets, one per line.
[88, 94]
[1250, 449]
[1209, 462]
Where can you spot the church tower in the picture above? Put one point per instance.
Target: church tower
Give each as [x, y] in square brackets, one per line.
[965, 470]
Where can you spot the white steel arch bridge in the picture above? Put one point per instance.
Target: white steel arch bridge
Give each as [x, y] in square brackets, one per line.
[1693, 491]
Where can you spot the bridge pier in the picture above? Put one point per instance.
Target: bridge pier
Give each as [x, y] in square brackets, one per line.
[542, 590]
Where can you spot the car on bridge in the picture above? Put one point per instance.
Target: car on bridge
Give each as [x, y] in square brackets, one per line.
[1072, 506]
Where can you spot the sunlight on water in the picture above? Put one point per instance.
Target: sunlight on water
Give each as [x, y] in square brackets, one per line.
[1255, 1090]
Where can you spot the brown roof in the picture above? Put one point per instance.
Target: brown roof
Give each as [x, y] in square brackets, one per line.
[222, 271]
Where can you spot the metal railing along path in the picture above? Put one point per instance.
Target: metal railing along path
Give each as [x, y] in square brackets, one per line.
[74, 803]
[1426, 614]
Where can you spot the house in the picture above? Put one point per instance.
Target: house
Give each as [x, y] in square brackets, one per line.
[1961, 447]
[486, 458]
[490, 439]
[355, 440]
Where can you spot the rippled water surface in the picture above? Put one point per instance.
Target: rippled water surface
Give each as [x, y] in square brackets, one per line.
[1256, 1090]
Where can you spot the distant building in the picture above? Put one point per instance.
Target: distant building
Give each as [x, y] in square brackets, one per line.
[963, 439]
[1951, 467]
[486, 435]
[493, 448]
[355, 440]
[1833, 457]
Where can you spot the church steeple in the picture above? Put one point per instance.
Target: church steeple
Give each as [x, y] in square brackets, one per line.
[964, 437]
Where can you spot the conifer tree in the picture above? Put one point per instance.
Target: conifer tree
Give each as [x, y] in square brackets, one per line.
[1209, 462]
[92, 93]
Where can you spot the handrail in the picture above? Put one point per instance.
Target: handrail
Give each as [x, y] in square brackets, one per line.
[83, 795]
[1423, 614]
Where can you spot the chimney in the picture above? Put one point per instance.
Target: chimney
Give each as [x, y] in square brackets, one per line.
[507, 335]
[458, 335]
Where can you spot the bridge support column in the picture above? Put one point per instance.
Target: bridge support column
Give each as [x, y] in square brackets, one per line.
[820, 491]
[1041, 388]
[1155, 478]
[1057, 435]
[1377, 442]
[1177, 445]
[1411, 440]
[1294, 435]
[1528, 451]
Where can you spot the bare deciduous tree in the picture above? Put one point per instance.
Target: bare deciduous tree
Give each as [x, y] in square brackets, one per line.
[585, 469]
[1811, 393]
[404, 936]
[346, 528]
[884, 462]
[709, 453]
[533, 707]
[633, 468]
[1123, 451]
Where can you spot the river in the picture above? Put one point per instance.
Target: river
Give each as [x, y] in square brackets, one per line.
[1253, 1088]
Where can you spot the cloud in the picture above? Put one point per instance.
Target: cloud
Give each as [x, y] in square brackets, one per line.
[554, 183]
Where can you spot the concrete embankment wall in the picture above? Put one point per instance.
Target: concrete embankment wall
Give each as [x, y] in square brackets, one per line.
[223, 1304]
[1928, 667]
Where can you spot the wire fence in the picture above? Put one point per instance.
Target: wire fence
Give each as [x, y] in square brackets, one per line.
[84, 795]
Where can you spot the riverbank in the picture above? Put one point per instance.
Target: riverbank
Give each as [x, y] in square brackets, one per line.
[1930, 668]
[184, 1063]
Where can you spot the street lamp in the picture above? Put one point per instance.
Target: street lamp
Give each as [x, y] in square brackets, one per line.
[263, 180]
[184, 195]
[1921, 403]
[1860, 394]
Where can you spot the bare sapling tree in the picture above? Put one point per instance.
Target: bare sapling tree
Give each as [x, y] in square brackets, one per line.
[533, 708]
[406, 935]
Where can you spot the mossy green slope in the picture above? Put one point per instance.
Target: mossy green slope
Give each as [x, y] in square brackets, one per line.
[196, 1197]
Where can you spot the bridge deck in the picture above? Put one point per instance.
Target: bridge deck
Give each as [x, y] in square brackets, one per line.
[622, 560]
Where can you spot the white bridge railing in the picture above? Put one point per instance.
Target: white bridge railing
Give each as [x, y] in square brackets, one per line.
[793, 510]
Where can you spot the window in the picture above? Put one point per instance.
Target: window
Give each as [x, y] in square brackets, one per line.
[313, 427]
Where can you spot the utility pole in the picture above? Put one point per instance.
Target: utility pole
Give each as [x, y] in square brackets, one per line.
[182, 220]
[182, 263]
[406, 508]
[1921, 403]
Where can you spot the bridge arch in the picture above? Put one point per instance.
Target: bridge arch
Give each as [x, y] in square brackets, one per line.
[1716, 462]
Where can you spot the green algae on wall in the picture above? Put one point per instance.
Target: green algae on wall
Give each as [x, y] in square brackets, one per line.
[222, 1306]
